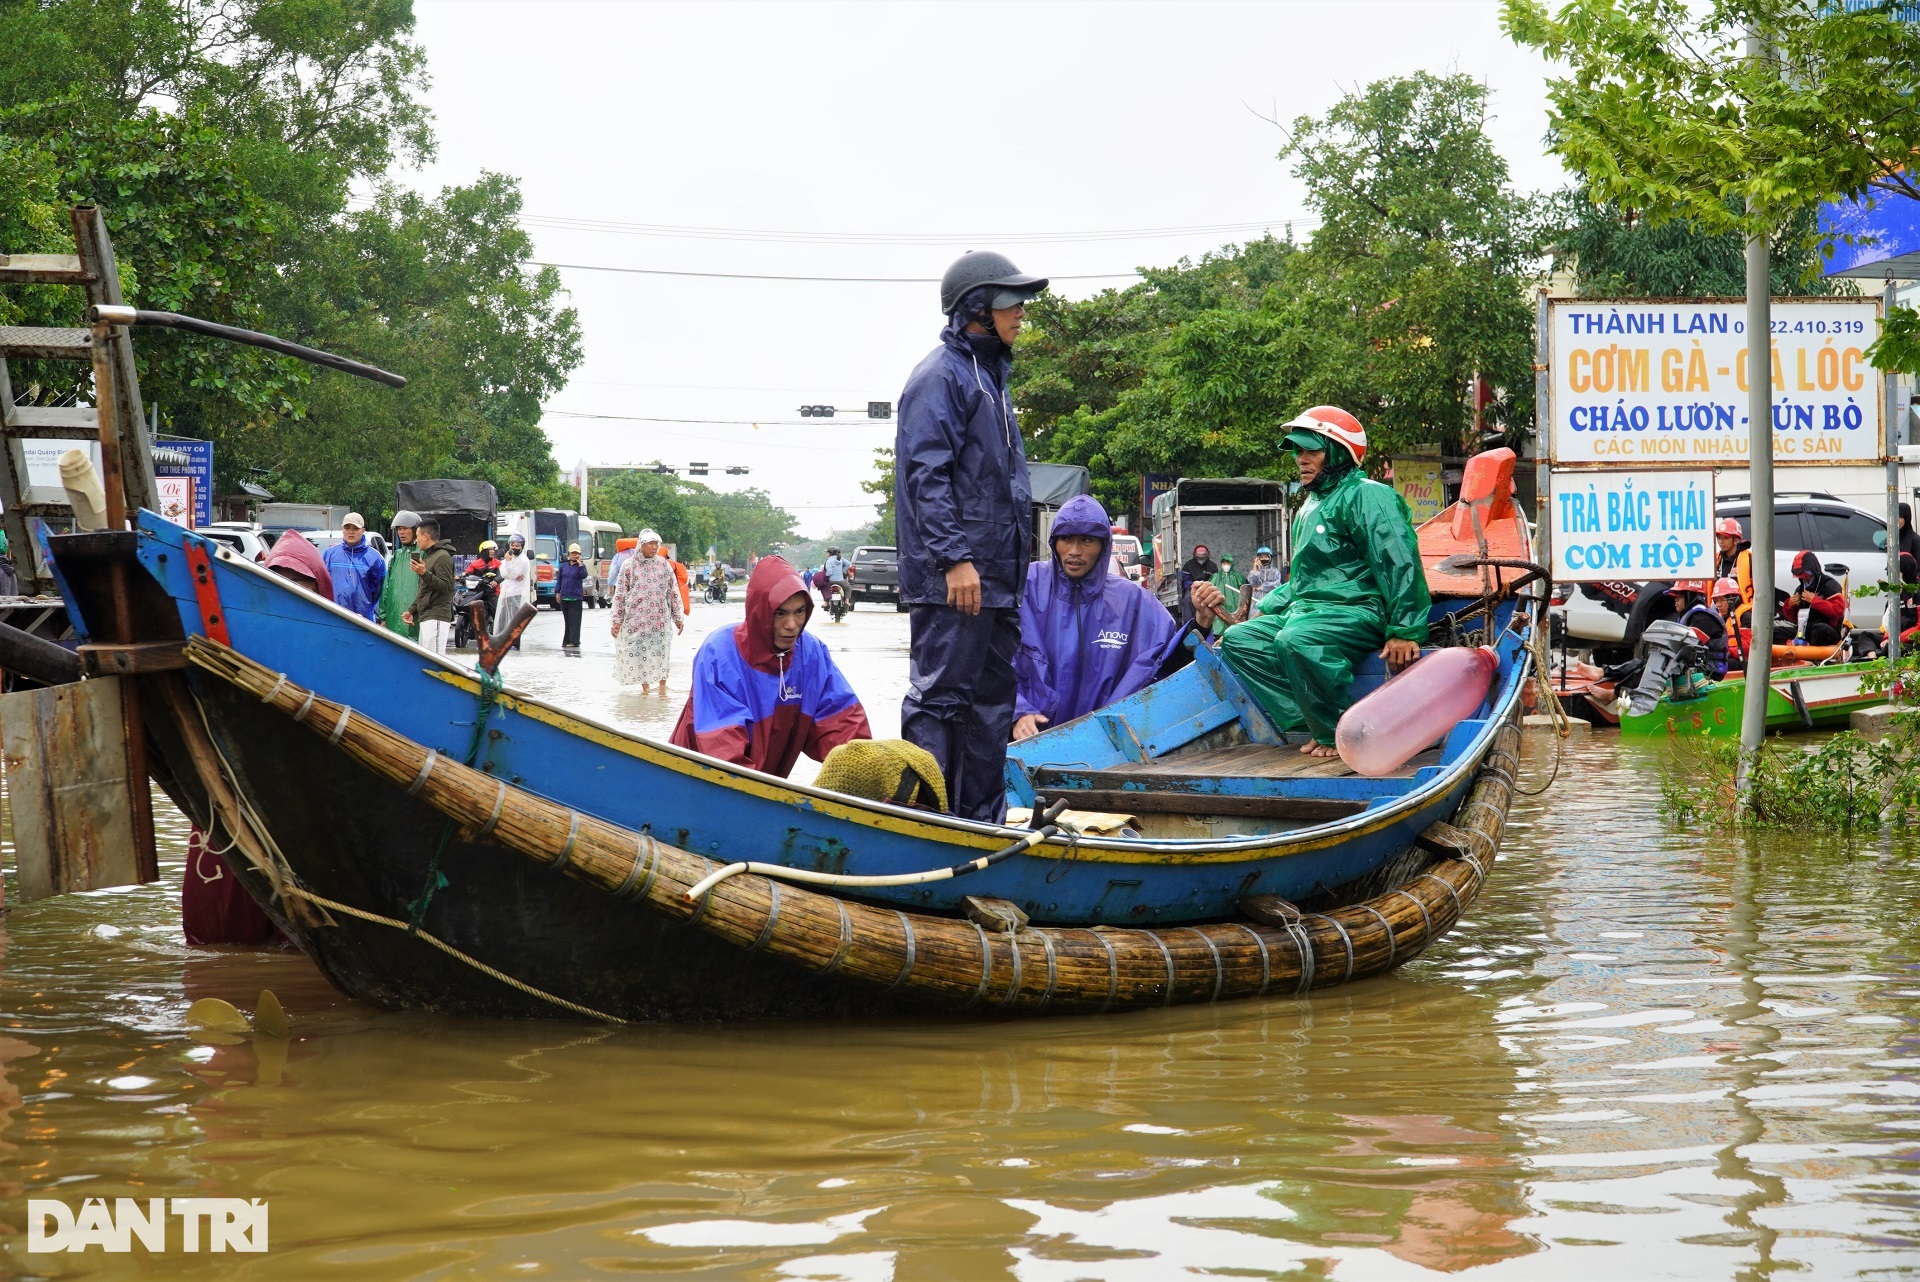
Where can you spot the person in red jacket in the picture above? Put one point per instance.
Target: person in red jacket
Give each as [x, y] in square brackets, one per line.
[1821, 598]
[764, 691]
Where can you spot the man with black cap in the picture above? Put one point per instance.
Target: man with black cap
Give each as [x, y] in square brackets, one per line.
[963, 520]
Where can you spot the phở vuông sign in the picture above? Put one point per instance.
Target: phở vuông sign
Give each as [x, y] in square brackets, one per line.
[1632, 525]
[1653, 384]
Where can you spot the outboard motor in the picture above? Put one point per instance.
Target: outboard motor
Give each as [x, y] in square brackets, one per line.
[1671, 651]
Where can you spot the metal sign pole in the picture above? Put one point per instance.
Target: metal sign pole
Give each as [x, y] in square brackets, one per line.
[1542, 436]
[1753, 712]
[1891, 442]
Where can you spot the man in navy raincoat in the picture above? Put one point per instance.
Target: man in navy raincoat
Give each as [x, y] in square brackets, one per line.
[963, 522]
[1087, 636]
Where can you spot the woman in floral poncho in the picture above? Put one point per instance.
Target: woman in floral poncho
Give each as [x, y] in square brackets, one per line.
[646, 604]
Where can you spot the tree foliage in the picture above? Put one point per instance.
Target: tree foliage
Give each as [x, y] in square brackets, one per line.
[1616, 253]
[739, 525]
[222, 138]
[881, 531]
[1415, 279]
[1665, 111]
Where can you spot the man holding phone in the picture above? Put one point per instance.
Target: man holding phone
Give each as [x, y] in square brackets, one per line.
[432, 608]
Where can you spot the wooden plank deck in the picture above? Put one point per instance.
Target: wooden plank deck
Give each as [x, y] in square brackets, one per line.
[1243, 761]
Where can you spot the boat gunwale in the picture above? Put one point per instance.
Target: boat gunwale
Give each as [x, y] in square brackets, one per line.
[938, 828]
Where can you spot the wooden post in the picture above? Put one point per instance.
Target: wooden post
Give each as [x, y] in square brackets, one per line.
[71, 785]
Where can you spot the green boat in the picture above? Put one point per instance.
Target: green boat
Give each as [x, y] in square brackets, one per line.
[1806, 697]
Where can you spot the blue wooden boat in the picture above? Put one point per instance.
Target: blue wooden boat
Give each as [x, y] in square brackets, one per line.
[436, 841]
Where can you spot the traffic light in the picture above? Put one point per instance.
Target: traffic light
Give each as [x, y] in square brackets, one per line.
[661, 469]
[696, 469]
[816, 411]
[879, 409]
[736, 471]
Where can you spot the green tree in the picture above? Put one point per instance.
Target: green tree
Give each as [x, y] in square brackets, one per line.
[882, 530]
[455, 306]
[1665, 111]
[1617, 253]
[686, 513]
[223, 138]
[1415, 279]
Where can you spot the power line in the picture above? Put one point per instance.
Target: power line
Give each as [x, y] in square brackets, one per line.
[678, 231]
[823, 280]
[718, 422]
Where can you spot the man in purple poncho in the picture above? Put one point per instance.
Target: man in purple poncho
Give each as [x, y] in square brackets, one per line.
[1088, 637]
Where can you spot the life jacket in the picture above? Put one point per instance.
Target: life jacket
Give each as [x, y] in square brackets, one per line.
[1743, 575]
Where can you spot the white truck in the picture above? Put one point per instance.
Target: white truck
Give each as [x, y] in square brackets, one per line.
[277, 518]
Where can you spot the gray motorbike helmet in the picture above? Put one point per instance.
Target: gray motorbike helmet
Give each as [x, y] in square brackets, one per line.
[979, 267]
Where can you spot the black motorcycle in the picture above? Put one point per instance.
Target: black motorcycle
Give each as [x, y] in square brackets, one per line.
[474, 589]
[717, 587]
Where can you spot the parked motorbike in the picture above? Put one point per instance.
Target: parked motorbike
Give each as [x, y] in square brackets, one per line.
[474, 589]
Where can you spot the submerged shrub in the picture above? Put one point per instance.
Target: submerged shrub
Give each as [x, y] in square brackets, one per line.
[1842, 783]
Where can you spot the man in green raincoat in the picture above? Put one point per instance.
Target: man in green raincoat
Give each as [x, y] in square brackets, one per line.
[1357, 586]
[403, 582]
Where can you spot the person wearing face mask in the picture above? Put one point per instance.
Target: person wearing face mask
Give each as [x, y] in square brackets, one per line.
[764, 691]
[1357, 586]
[964, 518]
[515, 578]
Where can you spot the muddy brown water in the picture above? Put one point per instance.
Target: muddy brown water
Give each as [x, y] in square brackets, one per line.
[1646, 1054]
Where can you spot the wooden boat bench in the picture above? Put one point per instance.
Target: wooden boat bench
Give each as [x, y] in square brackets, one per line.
[1261, 781]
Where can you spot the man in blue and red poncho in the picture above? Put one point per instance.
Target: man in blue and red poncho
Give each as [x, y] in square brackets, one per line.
[1088, 637]
[764, 691]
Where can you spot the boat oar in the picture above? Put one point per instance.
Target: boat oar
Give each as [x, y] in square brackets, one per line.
[1050, 827]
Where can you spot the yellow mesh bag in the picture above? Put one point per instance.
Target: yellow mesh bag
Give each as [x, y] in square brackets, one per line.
[885, 770]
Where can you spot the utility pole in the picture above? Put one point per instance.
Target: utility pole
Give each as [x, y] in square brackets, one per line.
[1892, 440]
[1753, 712]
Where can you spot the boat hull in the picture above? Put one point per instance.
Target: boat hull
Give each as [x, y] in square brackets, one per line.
[537, 910]
[1806, 698]
[434, 845]
[732, 813]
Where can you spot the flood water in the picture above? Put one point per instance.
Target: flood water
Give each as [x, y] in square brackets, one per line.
[1646, 1054]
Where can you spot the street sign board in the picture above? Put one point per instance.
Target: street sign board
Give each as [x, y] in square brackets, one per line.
[199, 466]
[1663, 383]
[1422, 483]
[1642, 525]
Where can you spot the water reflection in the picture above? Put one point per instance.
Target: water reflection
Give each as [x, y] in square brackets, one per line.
[1646, 1054]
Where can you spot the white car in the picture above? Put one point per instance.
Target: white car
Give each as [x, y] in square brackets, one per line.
[1849, 540]
[246, 540]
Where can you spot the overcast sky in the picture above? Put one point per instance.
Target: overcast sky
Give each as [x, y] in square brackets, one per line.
[882, 140]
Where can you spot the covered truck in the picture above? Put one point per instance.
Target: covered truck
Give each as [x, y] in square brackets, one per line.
[1232, 515]
[1053, 485]
[465, 510]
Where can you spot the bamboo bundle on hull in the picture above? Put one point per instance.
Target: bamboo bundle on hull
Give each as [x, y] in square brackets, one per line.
[942, 961]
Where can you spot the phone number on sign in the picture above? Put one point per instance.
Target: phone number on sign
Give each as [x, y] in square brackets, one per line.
[1819, 327]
